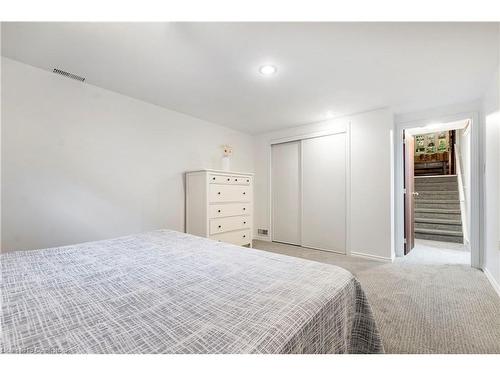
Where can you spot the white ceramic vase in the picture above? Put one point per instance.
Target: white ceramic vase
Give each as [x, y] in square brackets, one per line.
[226, 163]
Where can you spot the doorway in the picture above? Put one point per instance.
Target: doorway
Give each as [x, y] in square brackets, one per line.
[437, 192]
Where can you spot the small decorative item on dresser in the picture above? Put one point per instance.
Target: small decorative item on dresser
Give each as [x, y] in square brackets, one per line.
[219, 205]
[226, 157]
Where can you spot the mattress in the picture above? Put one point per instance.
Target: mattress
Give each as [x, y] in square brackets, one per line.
[170, 292]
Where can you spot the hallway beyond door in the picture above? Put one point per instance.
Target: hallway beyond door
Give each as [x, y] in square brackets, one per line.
[436, 253]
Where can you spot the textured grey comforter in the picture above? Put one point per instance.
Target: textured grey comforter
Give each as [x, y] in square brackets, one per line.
[169, 292]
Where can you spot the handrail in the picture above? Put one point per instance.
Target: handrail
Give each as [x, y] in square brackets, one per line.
[461, 193]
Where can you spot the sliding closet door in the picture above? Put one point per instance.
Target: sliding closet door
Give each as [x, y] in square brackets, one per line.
[285, 186]
[324, 193]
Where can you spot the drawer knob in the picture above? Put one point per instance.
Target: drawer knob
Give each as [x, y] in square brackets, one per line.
[228, 179]
[244, 236]
[244, 222]
[248, 180]
[244, 208]
[213, 178]
[244, 193]
[218, 193]
[236, 179]
[218, 211]
[220, 226]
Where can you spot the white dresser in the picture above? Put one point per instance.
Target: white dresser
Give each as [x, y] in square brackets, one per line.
[219, 205]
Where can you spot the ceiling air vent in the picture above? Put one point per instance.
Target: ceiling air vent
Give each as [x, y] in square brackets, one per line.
[68, 75]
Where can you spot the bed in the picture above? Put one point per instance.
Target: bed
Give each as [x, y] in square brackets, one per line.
[170, 292]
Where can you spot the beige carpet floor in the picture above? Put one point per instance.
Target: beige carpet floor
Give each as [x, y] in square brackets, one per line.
[421, 308]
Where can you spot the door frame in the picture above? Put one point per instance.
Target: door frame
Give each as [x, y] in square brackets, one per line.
[345, 128]
[476, 161]
[409, 191]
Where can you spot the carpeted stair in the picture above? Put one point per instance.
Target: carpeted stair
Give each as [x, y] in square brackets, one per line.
[437, 209]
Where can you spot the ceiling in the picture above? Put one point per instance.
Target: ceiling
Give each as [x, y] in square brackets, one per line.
[211, 70]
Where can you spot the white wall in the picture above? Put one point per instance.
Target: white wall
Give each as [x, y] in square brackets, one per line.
[371, 184]
[491, 113]
[81, 163]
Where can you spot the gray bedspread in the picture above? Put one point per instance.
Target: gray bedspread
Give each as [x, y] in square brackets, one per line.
[169, 292]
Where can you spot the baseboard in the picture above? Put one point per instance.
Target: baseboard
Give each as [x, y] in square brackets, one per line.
[372, 257]
[492, 281]
[262, 238]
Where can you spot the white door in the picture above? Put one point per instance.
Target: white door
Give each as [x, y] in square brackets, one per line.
[324, 193]
[285, 186]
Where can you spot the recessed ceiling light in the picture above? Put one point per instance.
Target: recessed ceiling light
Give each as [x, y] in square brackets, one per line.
[268, 70]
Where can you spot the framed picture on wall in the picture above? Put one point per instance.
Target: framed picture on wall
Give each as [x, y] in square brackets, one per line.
[419, 144]
[442, 142]
[430, 143]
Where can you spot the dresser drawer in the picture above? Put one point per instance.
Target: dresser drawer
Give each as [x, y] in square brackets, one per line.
[230, 180]
[228, 193]
[229, 209]
[240, 180]
[226, 224]
[239, 237]
[219, 179]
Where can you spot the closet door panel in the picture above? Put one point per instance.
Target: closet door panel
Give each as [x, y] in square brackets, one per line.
[324, 193]
[285, 186]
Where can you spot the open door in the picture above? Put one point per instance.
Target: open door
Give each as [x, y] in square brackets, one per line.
[409, 154]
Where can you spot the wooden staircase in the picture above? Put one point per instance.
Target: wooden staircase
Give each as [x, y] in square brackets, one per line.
[437, 209]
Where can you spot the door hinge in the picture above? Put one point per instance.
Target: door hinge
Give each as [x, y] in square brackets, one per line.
[404, 241]
[404, 191]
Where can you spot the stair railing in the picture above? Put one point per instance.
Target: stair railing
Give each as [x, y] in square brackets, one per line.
[461, 194]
